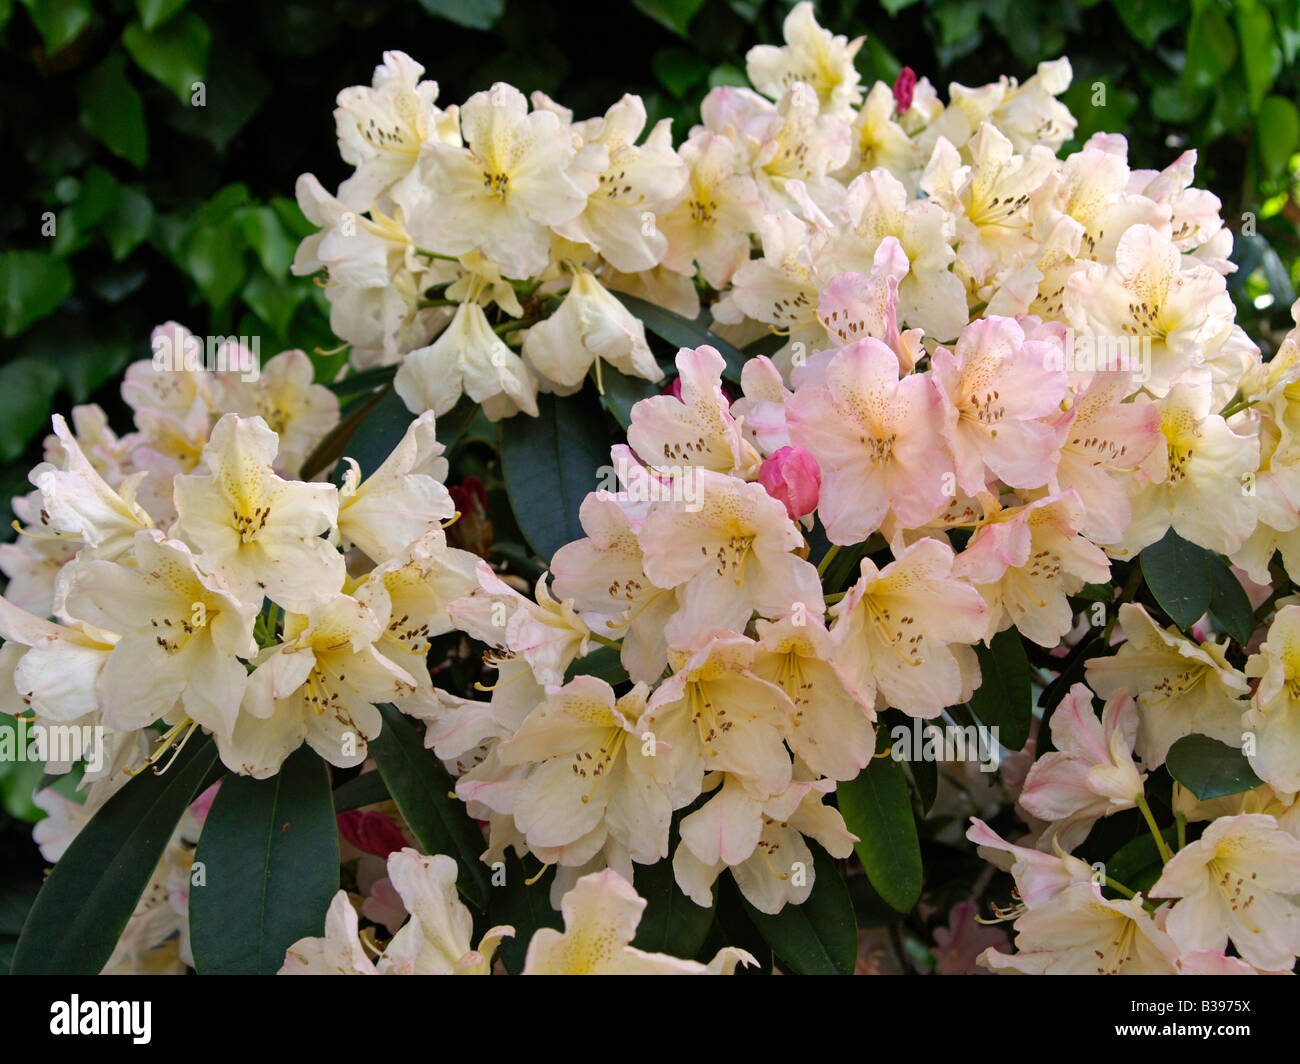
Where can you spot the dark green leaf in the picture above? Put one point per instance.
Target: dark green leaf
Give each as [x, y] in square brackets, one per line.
[523, 905]
[32, 285]
[1260, 56]
[674, 15]
[819, 937]
[1228, 602]
[474, 14]
[59, 22]
[1277, 133]
[381, 431]
[1148, 19]
[1178, 574]
[671, 923]
[175, 53]
[88, 898]
[623, 392]
[129, 222]
[366, 789]
[678, 70]
[1209, 768]
[424, 795]
[1003, 699]
[155, 12]
[550, 463]
[27, 387]
[1211, 48]
[877, 809]
[111, 110]
[1138, 864]
[683, 332]
[268, 860]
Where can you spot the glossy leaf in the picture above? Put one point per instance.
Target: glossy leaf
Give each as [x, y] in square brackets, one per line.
[269, 863]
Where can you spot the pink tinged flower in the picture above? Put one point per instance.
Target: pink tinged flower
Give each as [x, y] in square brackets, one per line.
[1091, 773]
[761, 409]
[1102, 441]
[1238, 881]
[695, 428]
[1040, 877]
[715, 715]
[1196, 479]
[854, 305]
[592, 769]
[1078, 932]
[877, 439]
[761, 841]
[604, 574]
[998, 390]
[1181, 687]
[792, 478]
[831, 728]
[1026, 563]
[547, 634]
[905, 631]
[733, 549]
[370, 832]
[904, 86]
[959, 945]
[1154, 295]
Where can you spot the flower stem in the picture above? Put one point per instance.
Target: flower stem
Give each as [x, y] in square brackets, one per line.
[827, 558]
[1161, 845]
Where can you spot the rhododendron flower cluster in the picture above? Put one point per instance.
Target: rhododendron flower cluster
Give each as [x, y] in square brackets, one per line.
[956, 399]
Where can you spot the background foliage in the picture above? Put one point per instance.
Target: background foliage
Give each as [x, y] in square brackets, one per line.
[153, 147]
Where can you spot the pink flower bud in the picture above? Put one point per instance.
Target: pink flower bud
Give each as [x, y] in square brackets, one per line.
[674, 389]
[792, 477]
[903, 88]
[370, 832]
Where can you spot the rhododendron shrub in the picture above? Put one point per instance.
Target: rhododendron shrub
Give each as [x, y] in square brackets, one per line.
[847, 512]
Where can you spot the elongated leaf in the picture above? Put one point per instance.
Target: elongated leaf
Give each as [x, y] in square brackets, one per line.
[1138, 864]
[88, 898]
[267, 867]
[1003, 699]
[424, 794]
[819, 937]
[683, 332]
[176, 53]
[877, 809]
[1178, 574]
[1209, 768]
[366, 789]
[364, 381]
[1229, 603]
[550, 463]
[331, 448]
[623, 392]
[671, 923]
